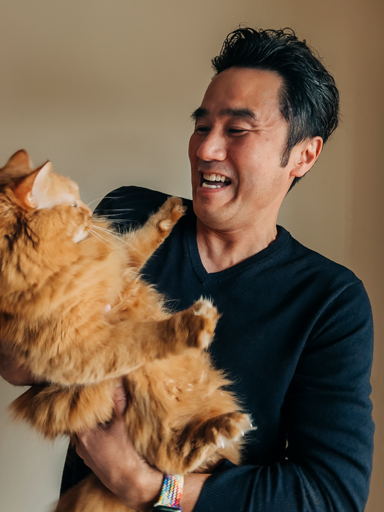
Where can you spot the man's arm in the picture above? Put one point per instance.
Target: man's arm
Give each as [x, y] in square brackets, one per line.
[327, 417]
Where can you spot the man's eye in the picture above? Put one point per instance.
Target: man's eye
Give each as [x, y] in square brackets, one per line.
[237, 130]
[202, 129]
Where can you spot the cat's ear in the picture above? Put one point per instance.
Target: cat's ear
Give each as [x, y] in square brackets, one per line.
[20, 160]
[30, 191]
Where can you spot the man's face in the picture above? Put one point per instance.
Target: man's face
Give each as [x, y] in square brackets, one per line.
[235, 150]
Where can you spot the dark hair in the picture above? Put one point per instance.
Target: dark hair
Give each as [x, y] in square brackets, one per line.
[309, 99]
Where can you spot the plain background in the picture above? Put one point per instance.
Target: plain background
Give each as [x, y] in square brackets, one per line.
[104, 89]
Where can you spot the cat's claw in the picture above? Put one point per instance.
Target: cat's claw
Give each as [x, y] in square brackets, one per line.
[171, 211]
[231, 427]
[209, 315]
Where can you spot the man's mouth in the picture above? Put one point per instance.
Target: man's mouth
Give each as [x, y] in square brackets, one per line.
[214, 181]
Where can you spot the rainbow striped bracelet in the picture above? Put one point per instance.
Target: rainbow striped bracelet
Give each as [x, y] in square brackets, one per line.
[170, 494]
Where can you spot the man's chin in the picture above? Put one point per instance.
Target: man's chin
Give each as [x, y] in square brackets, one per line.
[210, 217]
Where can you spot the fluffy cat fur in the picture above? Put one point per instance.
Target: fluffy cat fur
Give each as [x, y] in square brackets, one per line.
[74, 309]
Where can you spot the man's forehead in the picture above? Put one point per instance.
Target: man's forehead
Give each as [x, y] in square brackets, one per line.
[241, 93]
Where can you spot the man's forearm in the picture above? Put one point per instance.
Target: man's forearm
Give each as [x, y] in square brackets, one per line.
[148, 492]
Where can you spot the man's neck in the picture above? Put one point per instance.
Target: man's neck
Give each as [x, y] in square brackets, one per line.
[220, 250]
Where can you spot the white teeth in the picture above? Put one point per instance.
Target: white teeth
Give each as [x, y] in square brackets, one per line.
[207, 185]
[214, 177]
[209, 177]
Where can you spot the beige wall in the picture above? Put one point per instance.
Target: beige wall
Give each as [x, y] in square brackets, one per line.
[105, 88]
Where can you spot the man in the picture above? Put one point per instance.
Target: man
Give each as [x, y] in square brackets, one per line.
[296, 332]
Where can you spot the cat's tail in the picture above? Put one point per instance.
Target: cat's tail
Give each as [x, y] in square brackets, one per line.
[90, 495]
[53, 410]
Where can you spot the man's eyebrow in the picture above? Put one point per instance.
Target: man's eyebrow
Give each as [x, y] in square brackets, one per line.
[246, 113]
[199, 113]
[239, 112]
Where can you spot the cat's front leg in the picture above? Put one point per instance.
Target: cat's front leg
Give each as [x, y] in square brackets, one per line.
[143, 242]
[194, 326]
[112, 351]
[151, 340]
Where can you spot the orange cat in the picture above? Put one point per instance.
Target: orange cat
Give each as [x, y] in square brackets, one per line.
[74, 309]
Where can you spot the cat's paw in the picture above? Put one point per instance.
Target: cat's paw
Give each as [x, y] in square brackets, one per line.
[170, 213]
[230, 427]
[208, 317]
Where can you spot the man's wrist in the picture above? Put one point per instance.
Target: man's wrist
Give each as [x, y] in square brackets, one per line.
[170, 494]
[146, 492]
[143, 491]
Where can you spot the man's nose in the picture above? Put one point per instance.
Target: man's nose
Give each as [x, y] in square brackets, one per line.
[212, 147]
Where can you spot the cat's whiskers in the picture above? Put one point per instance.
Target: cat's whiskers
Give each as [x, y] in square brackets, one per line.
[101, 238]
[101, 198]
[94, 201]
[122, 221]
[117, 210]
[110, 215]
[111, 233]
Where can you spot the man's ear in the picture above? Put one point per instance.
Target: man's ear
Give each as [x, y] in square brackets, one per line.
[305, 156]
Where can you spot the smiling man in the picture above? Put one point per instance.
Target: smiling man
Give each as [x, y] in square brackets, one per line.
[295, 334]
[236, 153]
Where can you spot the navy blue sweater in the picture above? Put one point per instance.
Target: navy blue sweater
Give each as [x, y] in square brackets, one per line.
[296, 339]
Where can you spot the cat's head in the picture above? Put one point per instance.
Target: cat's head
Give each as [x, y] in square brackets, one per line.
[39, 210]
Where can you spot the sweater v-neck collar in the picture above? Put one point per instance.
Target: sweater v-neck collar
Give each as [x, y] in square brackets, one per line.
[190, 240]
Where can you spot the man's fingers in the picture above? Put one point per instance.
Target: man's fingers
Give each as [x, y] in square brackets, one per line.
[84, 441]
[14, 372]
[120, 399]
[79, 447]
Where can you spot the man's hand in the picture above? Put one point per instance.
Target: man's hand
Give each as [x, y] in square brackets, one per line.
[109, 452]
[14, 372]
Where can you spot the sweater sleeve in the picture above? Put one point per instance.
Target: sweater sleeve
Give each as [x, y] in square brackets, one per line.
[129, 207]
[328, 424]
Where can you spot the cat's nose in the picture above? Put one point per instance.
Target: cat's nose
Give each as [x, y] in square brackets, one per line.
[87, 209]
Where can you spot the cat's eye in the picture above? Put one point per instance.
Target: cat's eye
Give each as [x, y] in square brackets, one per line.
[75, 205]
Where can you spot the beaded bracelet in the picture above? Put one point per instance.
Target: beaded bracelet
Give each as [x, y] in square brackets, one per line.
[170, 494]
